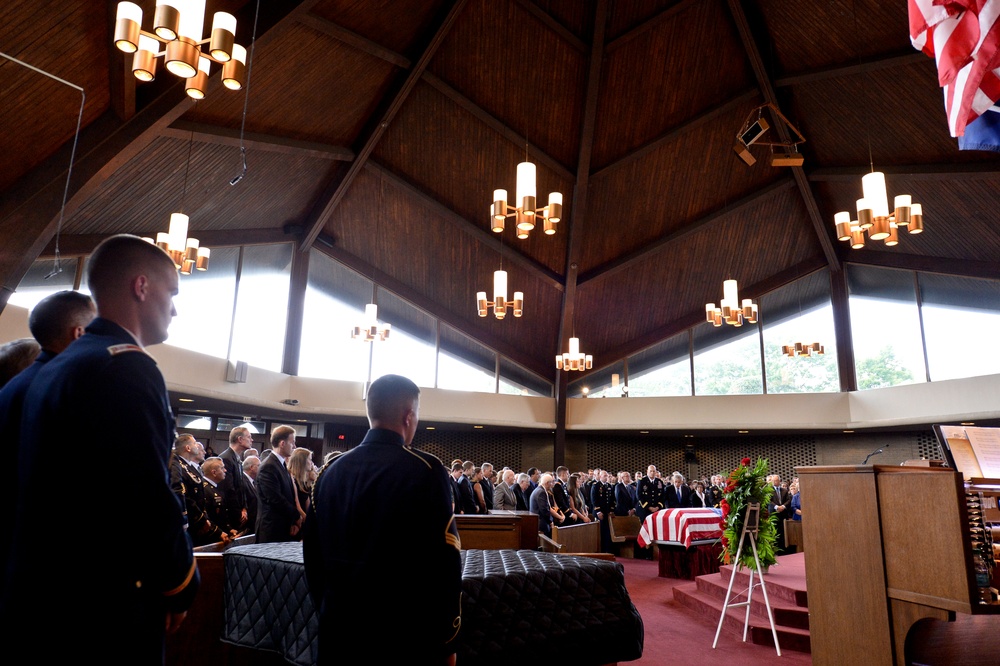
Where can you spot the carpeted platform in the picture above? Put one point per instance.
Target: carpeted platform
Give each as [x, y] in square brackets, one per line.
[677, 635]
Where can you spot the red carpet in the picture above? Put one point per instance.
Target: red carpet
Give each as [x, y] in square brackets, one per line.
[674, 635]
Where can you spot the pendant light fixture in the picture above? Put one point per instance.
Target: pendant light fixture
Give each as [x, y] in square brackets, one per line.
[178, 25]
[524, 210]
[369, 330]
[186, 252]
[574, 359]
[731, 310]
[500, 304]
[874, 216]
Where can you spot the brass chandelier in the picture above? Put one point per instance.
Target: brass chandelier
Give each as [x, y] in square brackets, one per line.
[731, 310]
[803, 349]
[178, 25]
[524, 210]
[574, 359]
[500, 304]
[874, 216]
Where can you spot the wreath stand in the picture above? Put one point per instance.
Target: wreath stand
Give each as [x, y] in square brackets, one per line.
[751, 525]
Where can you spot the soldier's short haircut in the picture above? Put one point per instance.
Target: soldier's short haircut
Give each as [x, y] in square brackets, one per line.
[57, 313]
[120, 257]
[389, 397]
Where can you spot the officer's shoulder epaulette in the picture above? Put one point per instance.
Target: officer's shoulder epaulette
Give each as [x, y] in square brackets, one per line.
[123, 348]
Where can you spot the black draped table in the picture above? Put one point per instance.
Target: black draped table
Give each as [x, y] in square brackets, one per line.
[533, 603]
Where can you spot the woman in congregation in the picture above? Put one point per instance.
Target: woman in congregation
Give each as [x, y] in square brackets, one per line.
[796, 501]
[303, 471]
[577, 506]
[477, 489]
[699, 499]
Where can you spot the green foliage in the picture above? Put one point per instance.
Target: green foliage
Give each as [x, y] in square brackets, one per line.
[747, 484]
[881, 371]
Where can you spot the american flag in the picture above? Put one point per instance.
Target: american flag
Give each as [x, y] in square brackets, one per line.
[963, 36]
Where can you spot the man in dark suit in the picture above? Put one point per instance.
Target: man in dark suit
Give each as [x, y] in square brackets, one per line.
[677, 495]
[251, 466]
[487, 482]
[562, 495]
[353, 576]
[522, 491]
[278, 516]
[780, 507]
[625, 498]
[233, 489]
[107, 395]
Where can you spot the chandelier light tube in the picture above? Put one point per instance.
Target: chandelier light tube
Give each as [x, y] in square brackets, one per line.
[574, 359]
[179, 25]
[524, 211]
[500, 304]
[370, 331]
[875, 216]
[731, 309]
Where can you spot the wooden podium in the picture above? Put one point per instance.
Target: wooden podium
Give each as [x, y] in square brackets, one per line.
[885, 547]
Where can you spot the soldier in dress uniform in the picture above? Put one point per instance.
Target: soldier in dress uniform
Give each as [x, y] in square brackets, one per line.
[602, 495]
[650, 492]
[187, 483]
[106, 393]
[354, 578]
[214, 471]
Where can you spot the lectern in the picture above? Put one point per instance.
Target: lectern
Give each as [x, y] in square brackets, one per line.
[885, 547]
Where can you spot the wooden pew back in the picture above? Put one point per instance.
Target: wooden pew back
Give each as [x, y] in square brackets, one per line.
[581, 538]
[625, 530]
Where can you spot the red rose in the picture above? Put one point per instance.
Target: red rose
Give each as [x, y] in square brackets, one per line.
[724, 505]
[745, 462]
[722, 523]
[730, 487]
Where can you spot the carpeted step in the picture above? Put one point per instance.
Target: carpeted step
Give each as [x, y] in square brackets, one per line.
[791, 621]
[783, 582]
[783, 602]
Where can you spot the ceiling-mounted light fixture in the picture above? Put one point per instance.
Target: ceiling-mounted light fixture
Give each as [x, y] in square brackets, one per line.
[731, 310]
[803, 349]
[500, 302]
[178, 25]
[370, 331]
[186, 252]
[574, 359]
[874, 215]
[524, 211]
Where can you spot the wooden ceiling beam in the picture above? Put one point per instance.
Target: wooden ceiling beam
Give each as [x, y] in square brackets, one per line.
[482, 236]
[887, 61]
[965, 172]
[650, 23]
[497, 126]
[764, 83]
[578, 222]
[692, 319]
[676, 132]
[939, 265]
[30, 212]
[555, 26]
[353, 39]
[229, 136]
[328, 204]
[384, 280]
[647, 249]
[81, 245]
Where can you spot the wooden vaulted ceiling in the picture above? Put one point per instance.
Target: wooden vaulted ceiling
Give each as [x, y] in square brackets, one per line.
[376, 132]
